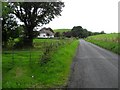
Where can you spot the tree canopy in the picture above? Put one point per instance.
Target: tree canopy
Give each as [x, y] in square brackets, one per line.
[34, 14]
[79, 32]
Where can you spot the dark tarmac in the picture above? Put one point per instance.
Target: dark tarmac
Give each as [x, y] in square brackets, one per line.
[93, 67]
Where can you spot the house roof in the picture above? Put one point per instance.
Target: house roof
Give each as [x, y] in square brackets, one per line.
[47, 31]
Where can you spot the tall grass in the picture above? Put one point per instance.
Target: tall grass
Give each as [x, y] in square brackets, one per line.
[107, 41]
[21, 73]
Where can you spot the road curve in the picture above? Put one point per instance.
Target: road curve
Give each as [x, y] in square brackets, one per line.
[93, 67]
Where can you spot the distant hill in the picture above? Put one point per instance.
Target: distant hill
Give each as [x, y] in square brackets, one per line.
[61, 30]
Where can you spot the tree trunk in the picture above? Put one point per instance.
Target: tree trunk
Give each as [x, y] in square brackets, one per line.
[28, 42]
[28, 38]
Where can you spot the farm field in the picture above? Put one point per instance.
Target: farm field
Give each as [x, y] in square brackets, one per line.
[45, 65]
[107, 41]
[61, 30]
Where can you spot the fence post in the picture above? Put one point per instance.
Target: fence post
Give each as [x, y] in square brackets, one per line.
[30, 57]
[12, 56]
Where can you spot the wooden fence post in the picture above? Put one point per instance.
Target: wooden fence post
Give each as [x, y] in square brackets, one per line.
[12, 56]
[30, 62]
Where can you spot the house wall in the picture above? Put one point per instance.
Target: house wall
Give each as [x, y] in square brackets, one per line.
[43, 35]
[50, 36]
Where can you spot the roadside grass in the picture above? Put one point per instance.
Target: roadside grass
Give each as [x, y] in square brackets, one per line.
[107, 41]
[23, 70]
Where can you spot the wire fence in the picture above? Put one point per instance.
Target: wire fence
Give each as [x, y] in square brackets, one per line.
[38, 55]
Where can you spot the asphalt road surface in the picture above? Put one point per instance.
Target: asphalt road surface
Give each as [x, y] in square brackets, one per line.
[93, 67]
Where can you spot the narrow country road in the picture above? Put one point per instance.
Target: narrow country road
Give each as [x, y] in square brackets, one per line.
[93, 67]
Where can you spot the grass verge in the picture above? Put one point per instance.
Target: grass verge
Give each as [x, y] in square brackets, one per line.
[23, 74]
[107, 41]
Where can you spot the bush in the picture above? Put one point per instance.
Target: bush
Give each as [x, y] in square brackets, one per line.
[19, 44]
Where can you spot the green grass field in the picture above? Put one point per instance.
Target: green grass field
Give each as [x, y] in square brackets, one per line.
[22, 69]
[62, 30]
[107, 41]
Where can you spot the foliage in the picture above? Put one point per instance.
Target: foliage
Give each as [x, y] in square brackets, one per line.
[76, 31]
[9, 26]
[102, 32]
[57, 34]
[34, 14]
[79, 32]
[67, 34]
[35, 34]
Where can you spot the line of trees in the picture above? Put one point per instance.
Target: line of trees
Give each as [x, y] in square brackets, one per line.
[77, 32]
[31, 14]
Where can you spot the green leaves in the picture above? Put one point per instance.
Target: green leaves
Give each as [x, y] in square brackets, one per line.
[5, 9]
[35, 13]
[31, 14]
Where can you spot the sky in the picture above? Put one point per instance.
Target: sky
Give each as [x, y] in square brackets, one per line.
[93, 15]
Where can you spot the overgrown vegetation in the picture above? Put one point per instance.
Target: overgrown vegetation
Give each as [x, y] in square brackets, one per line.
[23, 69]
[107, 41]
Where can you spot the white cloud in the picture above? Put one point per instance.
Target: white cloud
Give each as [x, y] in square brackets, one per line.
[94, 15]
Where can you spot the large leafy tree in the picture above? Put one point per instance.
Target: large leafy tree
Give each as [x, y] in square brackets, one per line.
[34, 14]
[78, 31]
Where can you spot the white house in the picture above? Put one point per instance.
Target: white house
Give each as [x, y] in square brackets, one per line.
[46, 33]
